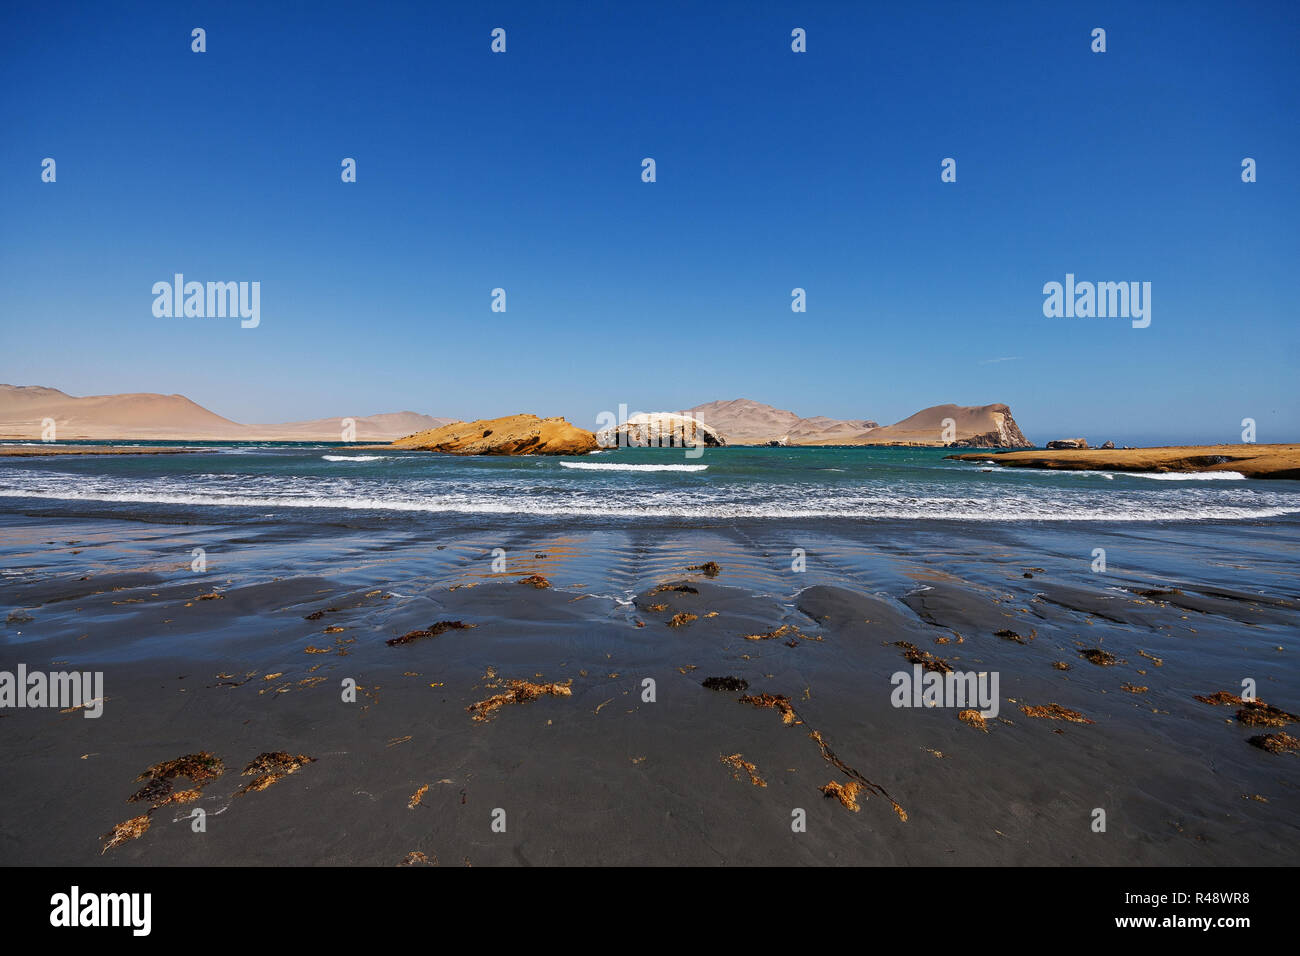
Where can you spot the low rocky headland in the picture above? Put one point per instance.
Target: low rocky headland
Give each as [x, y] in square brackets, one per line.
[1253, 461]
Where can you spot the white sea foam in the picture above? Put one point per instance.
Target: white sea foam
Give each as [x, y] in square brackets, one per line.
[670, 505]
[353, 457]
[626, 466]
[1187, 475]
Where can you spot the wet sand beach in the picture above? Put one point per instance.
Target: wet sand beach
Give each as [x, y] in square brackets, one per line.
[531, 697]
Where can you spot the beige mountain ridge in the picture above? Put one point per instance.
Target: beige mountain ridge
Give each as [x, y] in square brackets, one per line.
[742, 421]
[148, 416]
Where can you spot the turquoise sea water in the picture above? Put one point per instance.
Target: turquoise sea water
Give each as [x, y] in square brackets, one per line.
[223, 481]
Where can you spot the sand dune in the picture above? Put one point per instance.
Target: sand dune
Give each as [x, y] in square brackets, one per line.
[149, 416]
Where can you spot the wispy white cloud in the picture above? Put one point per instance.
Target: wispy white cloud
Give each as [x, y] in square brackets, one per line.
[1009, 358]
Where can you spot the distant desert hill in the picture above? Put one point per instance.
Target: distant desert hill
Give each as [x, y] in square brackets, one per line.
[741, 421]
[984, 426]
[152, 417]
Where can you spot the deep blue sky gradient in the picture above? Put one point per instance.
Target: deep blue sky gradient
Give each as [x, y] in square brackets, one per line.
[775, 170]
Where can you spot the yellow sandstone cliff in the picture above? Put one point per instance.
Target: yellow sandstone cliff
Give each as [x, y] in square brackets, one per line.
[511, 435]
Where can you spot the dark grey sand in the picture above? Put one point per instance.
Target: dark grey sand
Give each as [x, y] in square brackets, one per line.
[603, 777]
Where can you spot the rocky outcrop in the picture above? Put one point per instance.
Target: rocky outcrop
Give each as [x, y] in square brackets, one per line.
[1068, 443]
[1106, 445]
[660, 430]
[1252, 461]
[511, 435]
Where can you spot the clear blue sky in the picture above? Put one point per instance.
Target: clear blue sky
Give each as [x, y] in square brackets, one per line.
[775, 170]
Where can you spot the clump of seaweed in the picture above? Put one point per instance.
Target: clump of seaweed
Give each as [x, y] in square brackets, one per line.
[267, 768]
[212, 596]
[778, 702]
[432, 631]
[182, 796]
[682, 617]
[536, 580]
[314, 616]
[1220, 698]
[521, 692]
[417, 798]
[710, 568]
[846, 793]
[1134, 688]
[1256, 713]
[155, 792]
[739, 764]
[1061, 665]
[867, 785]
[1055, 712]
[416, 858]
[682, 588]
[974, 718]
[1009, 635]
[1278, 743]
[725, 683]
[201, 767]
[928, 661]
[782, 631]
[1095, 655]
[126, 830]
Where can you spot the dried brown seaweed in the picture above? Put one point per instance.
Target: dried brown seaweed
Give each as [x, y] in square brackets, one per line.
[682, 617]
[974, 718]
[433, 630]
[126, 830]
[182, 796]
[682, 588]
[1010, 635]
[778, 702]
[710, 568]
[928, 661]
[1220, 698]
[416, 858]
[201, 767]
[1256, 713]
[521, 692]
[725, 683]
[1055, 712]
[1278, 743]
[536, 580]
[1095, 655]
[270, 767]
[845, 793]
[867, 785]
[739, 764]
[154, 792]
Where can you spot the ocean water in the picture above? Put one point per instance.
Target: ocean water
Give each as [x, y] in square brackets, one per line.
[293, 481]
